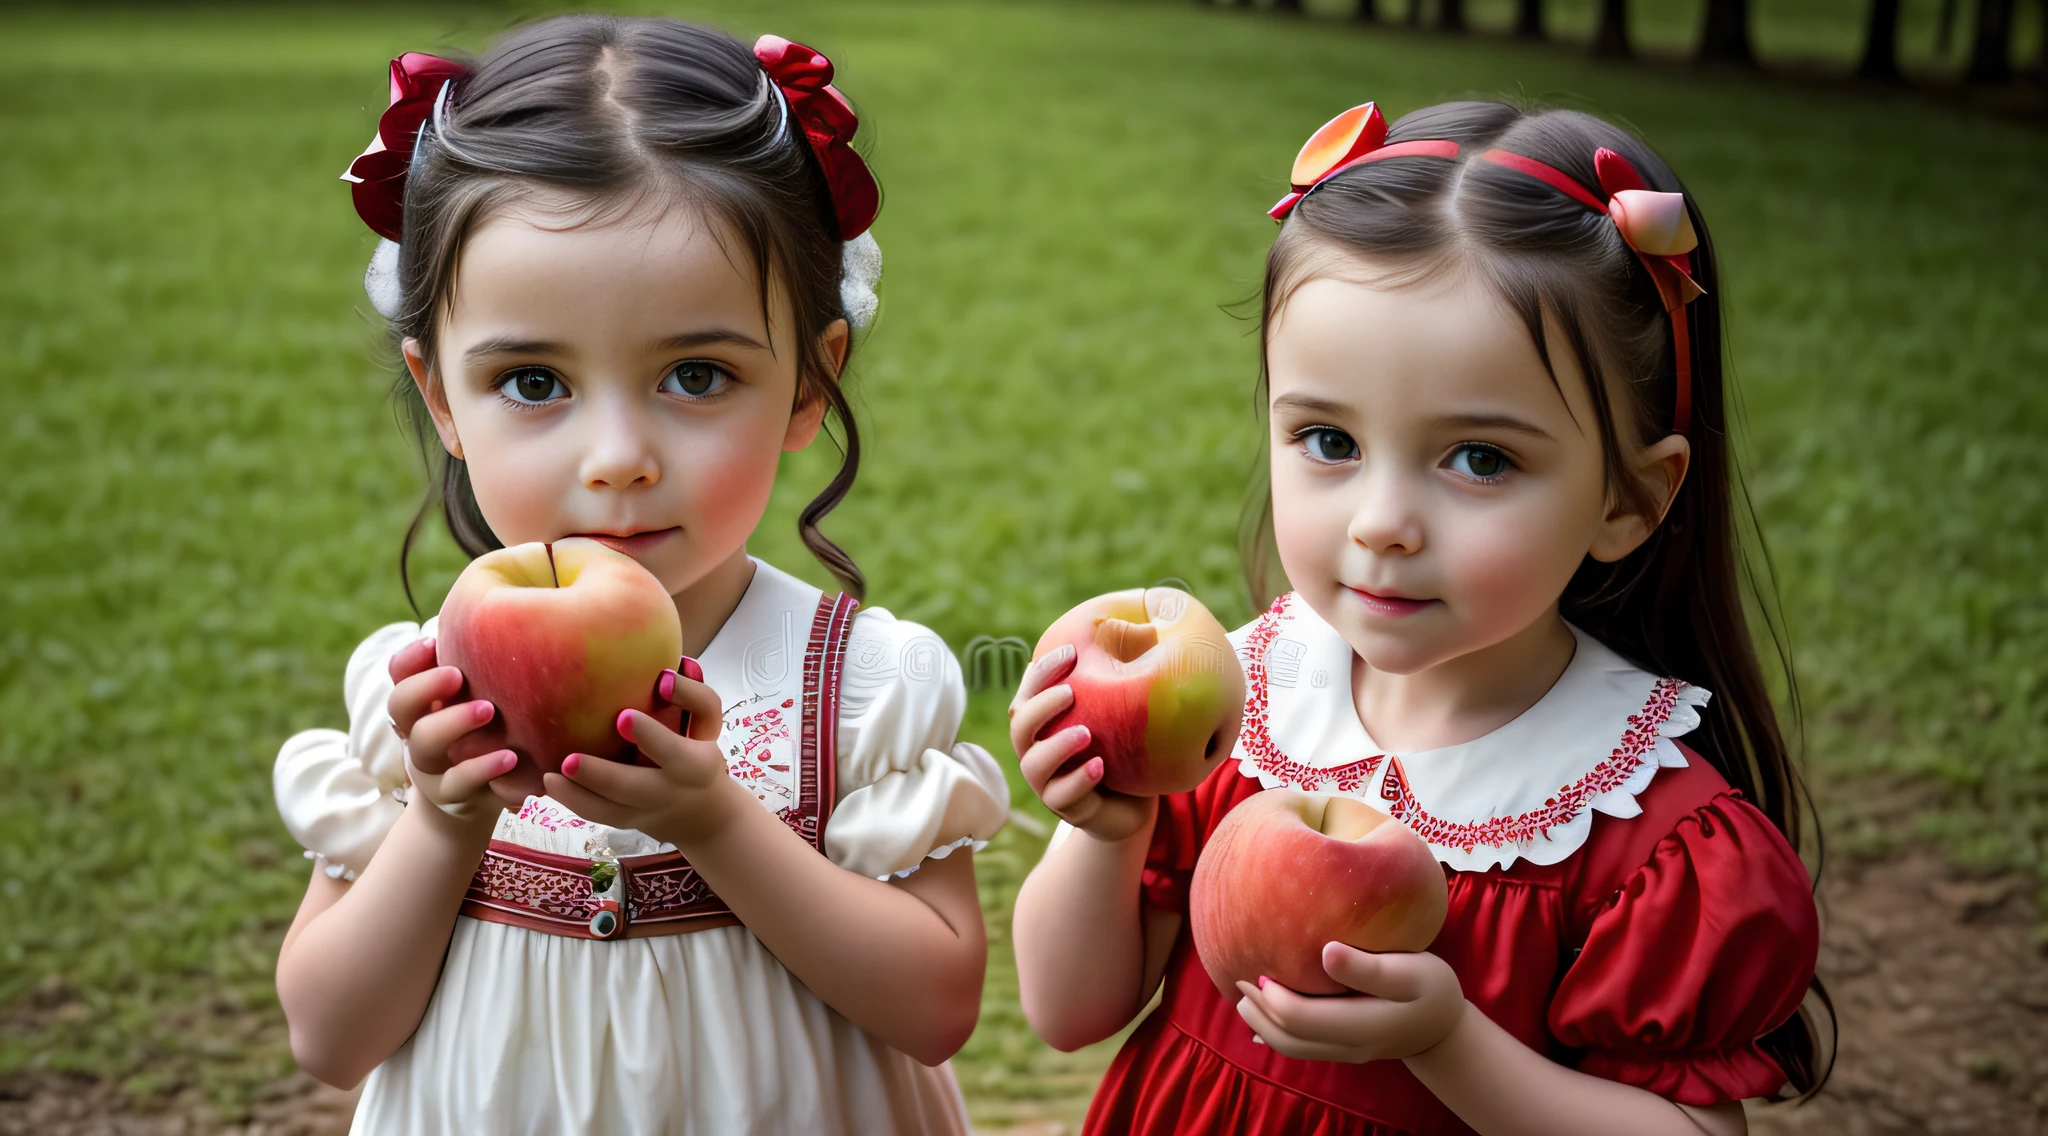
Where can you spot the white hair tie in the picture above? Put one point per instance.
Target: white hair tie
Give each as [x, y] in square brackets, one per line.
[380, 280]
[860, 273]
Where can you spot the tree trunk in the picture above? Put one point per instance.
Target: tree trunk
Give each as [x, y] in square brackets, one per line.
[1991, 53]
[1414, 13]
[1450, 15]
[1611, 41]
[1881, 44]
[1529, 19]
[1368, 12]
[1725, 37]
[1292, 7]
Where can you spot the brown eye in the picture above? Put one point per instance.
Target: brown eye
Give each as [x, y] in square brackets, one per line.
[695, 379]
[1327, 445]
[532, 386]
[1483, 463]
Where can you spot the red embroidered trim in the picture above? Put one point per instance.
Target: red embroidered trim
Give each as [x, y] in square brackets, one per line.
[1638, 745]
[1257, 741]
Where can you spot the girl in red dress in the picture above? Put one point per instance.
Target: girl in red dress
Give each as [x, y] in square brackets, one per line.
[1502, 492]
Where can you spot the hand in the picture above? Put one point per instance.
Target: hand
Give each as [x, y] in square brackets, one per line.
[428, 726]
[1412, 1001]
[684, 793]
[1075, 794]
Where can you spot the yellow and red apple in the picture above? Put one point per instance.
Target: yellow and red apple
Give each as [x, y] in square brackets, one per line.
[1157, 684]
[560, 638]
[1288, 871]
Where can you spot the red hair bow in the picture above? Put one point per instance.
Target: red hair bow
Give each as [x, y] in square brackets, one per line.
[377, 176]
[804, 77]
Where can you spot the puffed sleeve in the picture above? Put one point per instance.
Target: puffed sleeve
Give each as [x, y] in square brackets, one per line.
[333, 788]
[1706, 948]
[907, 788]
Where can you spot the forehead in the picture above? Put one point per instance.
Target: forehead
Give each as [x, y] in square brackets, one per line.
[1354, 334]
[582, 274]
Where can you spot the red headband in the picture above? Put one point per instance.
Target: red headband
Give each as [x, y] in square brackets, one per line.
[802, 76]
[1655, 226]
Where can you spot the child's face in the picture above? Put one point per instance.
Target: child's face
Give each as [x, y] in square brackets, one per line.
[617, 380]
[1433, 489]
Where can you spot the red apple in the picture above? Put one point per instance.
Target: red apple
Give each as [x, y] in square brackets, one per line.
[1288, 871]
[1156, 683]
[559, 637]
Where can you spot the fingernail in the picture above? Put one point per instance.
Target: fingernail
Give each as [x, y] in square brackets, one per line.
[435, 706]
[483, 710]
[1262, 981]
[431, 642]
[1063, 652]
[625, 724]
[1257, 1040]
[1094, 769]
[692, 669]
[667, 686]
[571, 764]
[507, 759]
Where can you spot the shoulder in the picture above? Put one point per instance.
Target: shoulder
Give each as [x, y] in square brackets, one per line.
[882, 650]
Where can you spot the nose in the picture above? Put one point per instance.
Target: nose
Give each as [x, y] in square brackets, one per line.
[619, 450]
[1387, 520]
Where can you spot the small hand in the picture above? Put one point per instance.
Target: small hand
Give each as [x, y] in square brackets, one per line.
[1075, 795]
[429, 726]
[1411, 1002]
[683, 795]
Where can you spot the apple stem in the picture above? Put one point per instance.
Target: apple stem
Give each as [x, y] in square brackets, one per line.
[554, 577]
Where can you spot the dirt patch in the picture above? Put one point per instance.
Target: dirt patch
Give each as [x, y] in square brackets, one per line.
[1939, 986]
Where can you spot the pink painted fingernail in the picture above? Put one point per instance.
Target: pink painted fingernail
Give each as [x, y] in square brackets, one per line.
[482, 711]
[692, 669]
[1094, 769]
[667, 686]
[625, 724]
[1263, 980]
[571, 764]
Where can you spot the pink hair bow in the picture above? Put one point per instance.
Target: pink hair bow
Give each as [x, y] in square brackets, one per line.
[804, 77]
[377, 176]
[1353, 138]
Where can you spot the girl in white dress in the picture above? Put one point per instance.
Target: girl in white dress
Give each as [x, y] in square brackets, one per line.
[623, 260]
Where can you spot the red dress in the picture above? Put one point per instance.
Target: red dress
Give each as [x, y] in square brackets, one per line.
[1654, 950]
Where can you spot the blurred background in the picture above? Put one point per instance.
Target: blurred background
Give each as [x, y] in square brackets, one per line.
[202, 487]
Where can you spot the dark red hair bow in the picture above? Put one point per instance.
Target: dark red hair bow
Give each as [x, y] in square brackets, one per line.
[377, 176]
[805, 79]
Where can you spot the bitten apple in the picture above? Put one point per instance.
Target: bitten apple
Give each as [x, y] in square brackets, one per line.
[1157, 684]
[1288, 871]
[559, 637]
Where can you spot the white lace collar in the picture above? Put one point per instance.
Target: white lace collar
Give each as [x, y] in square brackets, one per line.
[1527, 790]
[755, 663]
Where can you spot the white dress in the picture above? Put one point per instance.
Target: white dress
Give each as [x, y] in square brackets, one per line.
[703, 1032]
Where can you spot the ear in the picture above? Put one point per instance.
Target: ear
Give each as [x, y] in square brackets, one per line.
[809, 415]
[1660, 470]
[436, 398]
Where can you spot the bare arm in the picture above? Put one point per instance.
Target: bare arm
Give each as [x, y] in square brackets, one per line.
[1089, 953]
[361, 960]
[902, 960]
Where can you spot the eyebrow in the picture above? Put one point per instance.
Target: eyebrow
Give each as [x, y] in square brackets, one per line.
[1309, 404]
[1492, 422]
[687, 341]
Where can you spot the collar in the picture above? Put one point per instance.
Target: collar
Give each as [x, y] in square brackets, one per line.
[1526, 790]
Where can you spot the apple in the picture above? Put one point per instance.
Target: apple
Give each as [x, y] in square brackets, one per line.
[1288, 871]
[560, 638]
[1157, 684]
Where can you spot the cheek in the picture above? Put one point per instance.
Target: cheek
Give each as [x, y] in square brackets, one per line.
[509, 471]
[1309, 524]
[1513, 563]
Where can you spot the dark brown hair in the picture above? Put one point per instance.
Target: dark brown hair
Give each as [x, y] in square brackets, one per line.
[1675, 606]
[623, 112]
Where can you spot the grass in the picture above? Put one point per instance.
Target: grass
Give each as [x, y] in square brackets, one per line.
[203, 489]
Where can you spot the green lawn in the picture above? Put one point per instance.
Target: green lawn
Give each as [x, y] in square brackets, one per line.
[203, 488]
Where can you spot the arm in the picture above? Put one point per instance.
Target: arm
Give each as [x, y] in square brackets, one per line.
[1089, 953]
[902, 960]
[360, 961]
[1414, 1010]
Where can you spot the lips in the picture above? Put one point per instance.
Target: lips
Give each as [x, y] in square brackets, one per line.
[633, 544]
[1387, 604]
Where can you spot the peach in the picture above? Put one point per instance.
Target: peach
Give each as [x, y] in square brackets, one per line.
[1288, 871]
[1157, 684]
[560, 638]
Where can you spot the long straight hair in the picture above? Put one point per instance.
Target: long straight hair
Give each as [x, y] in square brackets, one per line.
[1674, 606]
[623, 113]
